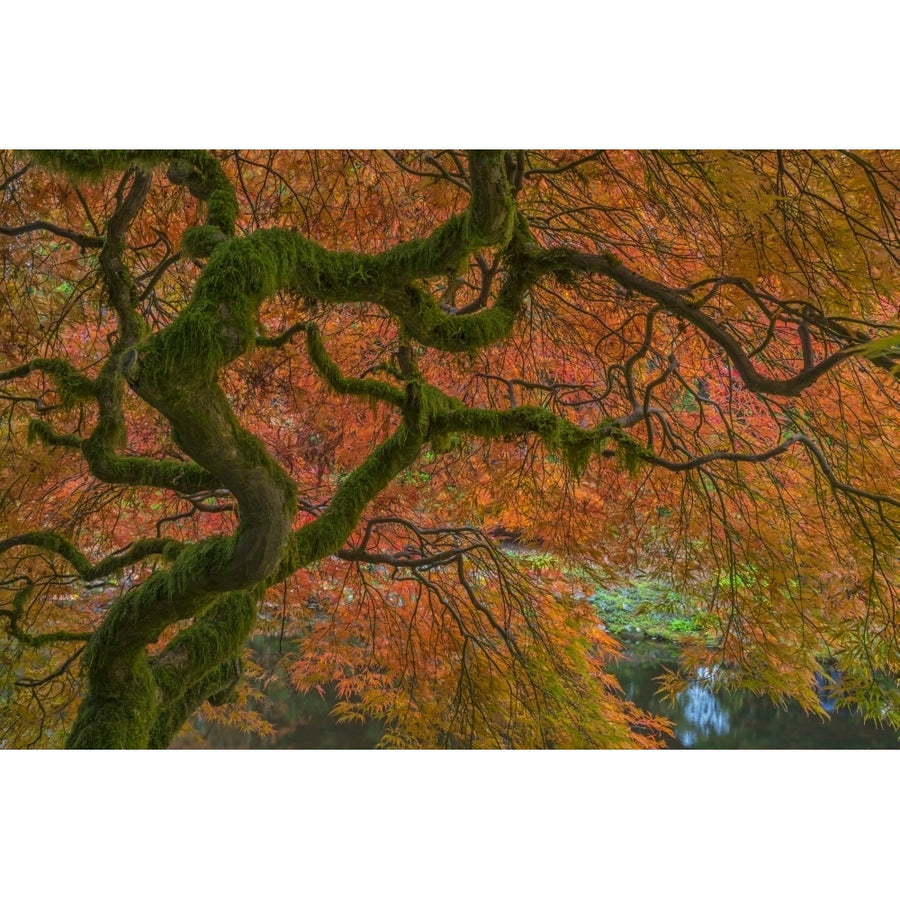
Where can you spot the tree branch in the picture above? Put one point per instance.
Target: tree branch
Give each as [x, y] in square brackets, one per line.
[82, 240]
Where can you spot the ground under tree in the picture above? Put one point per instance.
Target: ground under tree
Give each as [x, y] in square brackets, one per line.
[316, 389]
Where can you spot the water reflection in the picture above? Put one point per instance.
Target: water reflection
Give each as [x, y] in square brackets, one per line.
[740, 720]
[700, 713]
[823, 690]
[302, 722]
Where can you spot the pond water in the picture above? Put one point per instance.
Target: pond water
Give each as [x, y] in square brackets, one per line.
[302, 722]
[702, 720]
[741, 720]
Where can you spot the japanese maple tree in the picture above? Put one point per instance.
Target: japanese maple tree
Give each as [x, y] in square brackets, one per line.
[340, 394]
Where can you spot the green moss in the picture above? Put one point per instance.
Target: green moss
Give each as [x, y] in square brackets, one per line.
[93, 165]
[185, 477]
[54, 542]
[119, 710]
[331, 530]
[197, 169]
[576, 445]
[57, 543]
[258, 465]
[199, 243]
[217, 635]
[171, 551]
[491, 210]
[216, 686]
[443, 443]
[630, 453]
[132, 702]
[138, 617]
[220, 323]
[360, 387]
[39, 430]
[428, 324]
[578, 448]
[73, 387]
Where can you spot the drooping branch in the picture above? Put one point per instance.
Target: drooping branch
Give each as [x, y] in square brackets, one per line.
[432, 548]
[679, 304]
[52, 676]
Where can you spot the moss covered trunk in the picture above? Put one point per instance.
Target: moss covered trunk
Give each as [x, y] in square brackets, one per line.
[139, 693]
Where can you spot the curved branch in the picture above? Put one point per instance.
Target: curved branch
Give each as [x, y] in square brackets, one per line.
[359, 387]
[216, 636]
[39, 430]
[60, 545]
[82, 240]
[281, 339]
[675, 302]
[72, 386]
[60, 670]
[576, 444]
[812, 448]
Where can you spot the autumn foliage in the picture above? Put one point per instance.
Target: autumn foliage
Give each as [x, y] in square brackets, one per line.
[409, 409]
